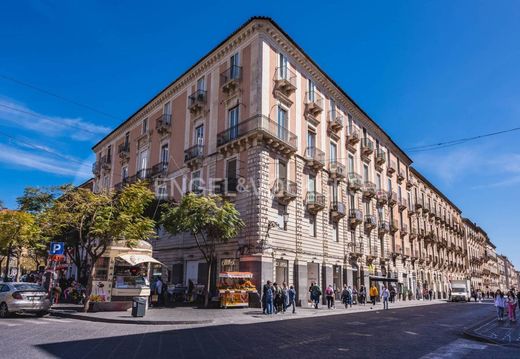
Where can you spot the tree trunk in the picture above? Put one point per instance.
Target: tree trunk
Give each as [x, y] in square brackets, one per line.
[208, 286]
[9, 249]
[18, 266]
[88, 289]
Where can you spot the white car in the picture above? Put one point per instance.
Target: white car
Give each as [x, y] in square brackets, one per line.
[16, 297]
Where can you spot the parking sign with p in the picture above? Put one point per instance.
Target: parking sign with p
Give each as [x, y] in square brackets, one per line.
[57, 248]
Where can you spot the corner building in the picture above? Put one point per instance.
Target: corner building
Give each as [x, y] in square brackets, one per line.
[326, 194]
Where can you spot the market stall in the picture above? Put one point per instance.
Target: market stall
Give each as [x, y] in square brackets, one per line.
[235, 288]
[121, 274]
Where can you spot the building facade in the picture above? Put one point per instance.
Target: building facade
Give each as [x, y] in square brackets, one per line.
[326, 194]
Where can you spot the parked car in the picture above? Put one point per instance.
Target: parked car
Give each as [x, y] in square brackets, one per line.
[18, 297]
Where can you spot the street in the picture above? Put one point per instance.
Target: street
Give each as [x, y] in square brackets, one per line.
[416, 332]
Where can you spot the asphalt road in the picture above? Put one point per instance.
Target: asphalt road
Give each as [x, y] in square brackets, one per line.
[418, 332]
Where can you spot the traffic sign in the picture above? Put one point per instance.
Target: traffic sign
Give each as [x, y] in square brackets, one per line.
[57, 248]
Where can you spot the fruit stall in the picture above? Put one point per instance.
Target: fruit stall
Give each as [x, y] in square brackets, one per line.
[234, 289]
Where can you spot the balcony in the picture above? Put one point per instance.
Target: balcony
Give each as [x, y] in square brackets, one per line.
[315, 158]
[392, 198]
[313, 104]
[369, 189]
[106, 162]
[394, 226]
[355, 248]
[390, 170]
[227, 187]
[409, 184]
[123, 150]
[370, 222]
[426, 208]
[284, 84]
[164, 124]
[197, 101]
[257, 128]
[338, 210]
[315, 202]
[429, 237]
[141, 175]
[354, 182]
[352, 139]
[337, 170]
[381, 197]
[404, 230]
[380, 158]
[414, 233]
[401, 175]
[285, 191]
[355, 218]
[403, 204]
[374, 250]
[384, 227]
[230, 79]
[367, 148]
[194, 155]
[160, 169]
[418, 204]
[335, 121]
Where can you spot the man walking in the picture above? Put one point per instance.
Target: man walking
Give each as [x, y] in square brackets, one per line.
[373, 294]
[315, 294]
[264, 296]
[329, 292]
[385, 293]
[292, 298]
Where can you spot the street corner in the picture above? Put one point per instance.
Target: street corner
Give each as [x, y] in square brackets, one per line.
[494, 331]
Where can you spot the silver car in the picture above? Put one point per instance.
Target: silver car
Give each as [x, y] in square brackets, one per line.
[23, 297]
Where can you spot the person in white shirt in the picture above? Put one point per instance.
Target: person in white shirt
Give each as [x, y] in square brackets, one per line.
[500, 303]
[385, 294]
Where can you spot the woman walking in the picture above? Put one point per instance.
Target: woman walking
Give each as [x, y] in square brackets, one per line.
[511, 306]
[500, 304]
[329, 293]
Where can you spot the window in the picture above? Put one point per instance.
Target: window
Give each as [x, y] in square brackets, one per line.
[352, 202]
[144, 127]
[200, 84]
[167, 108]
[399, 192]
[282, 66]
[106, 182]
[162, 193]
[234, 70]
[124, 172]
[101, 269]
[332, 108]
[351, 164]
[335, 236]
[366, 177]
[109, 153]
[281, 170]
[334, 192]
[312, 226]
[142, 165]
[312, 91]
[199, 135]
[311, 186]
[231, 168]
[350, 123]
[195, 182]
[389, 185]
[367, 208]
[233, 122]
[127, 138]
[378, 182]
[165, 154]
[333, 152]
[282, 124]
[311, 142]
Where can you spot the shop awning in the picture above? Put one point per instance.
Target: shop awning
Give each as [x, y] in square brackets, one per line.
[382, 279]
[135, 259]
[236, 275]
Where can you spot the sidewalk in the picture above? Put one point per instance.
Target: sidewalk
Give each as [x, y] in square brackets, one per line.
[188, 316]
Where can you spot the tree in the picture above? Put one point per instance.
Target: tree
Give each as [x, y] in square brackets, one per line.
[18, 231]
[95, 220]
[209, 219]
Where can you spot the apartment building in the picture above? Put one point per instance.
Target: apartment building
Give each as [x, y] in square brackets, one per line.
[327, 196]
[476, 241]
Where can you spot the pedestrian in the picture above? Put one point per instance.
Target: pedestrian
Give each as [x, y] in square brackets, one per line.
[500, 304]
[329, 293]
[285, 296]
[264, 296]
[430, 294]
[392, 294]
[362, 295]
[56, 293]
[511, 306]
[278, 298]
[373, 294]
[315, 294]
[269, 299]
[159, 291]
[291, 293]
[346, 296]
[385, 294]
[354, 295]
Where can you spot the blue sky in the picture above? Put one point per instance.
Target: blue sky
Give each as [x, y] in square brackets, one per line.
[426, 71]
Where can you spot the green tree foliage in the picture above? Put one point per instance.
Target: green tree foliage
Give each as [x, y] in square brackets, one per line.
[95, 220]
[210, 221]
[19, 230]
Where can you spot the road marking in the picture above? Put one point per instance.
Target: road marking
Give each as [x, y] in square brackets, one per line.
[303, 342]
[456, 349]
[411, 333]
[361, 334]
[57, 320]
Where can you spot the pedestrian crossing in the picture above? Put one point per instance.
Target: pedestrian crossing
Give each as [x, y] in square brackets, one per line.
[16, 322]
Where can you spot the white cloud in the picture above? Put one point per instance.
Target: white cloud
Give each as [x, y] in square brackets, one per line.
[16, 157]
[53, 126]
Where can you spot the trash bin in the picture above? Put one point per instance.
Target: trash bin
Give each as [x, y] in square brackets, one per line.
[138, 307]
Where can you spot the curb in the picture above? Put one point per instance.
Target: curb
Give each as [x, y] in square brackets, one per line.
[61, 314]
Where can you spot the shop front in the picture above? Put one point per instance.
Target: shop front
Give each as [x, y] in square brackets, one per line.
[121, 274]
